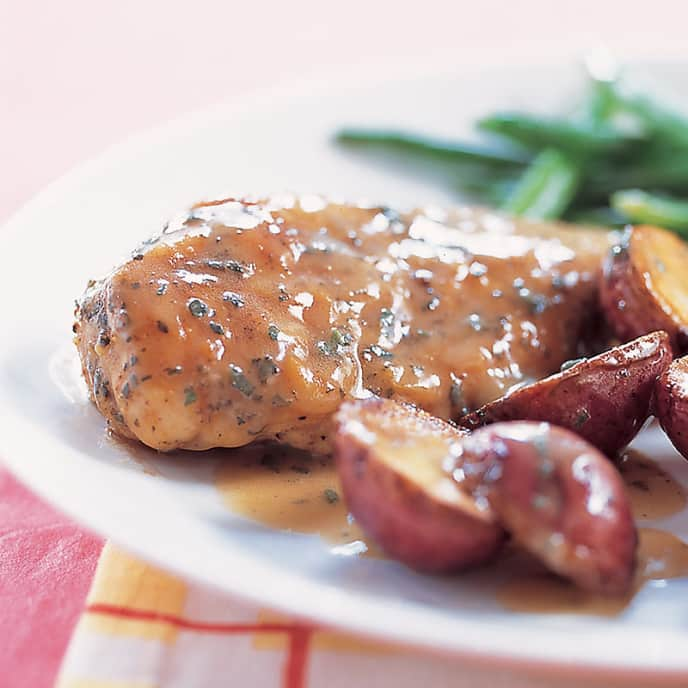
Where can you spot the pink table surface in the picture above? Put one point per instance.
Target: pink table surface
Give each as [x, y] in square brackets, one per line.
[77, 76]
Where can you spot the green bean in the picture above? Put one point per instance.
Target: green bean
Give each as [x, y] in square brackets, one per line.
[658, 169]
[450, 151]
[599, 105]
[536, 133]
[658, 121]
[646, 208]
[492, 192]
[546, 188]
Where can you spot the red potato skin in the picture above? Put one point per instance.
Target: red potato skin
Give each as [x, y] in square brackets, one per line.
[408, 524]
[628, 301]
[671, 404]
[604, 399]
[557, 495]
[559, 498]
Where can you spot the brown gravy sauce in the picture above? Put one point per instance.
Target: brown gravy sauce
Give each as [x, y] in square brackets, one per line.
[653, 492]
[661, 556]
[286, 489]
[290, 490]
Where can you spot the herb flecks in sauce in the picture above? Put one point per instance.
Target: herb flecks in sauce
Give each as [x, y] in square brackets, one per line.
[240, 381]
[197, 308]
[291, 491]
[189, 396]
[336, 323]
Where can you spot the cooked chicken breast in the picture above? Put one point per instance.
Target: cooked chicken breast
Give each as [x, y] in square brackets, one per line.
[248, 320]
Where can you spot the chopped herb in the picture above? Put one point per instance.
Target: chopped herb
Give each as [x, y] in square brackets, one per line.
[136, 285]
[273, 332]
[265, 368]
[233, 298]
[386, 317]
[537, 303]
[198, 308]
[240, 420]
[215, 264]
[379, 351]
[331, 496]
[338, 340]
[239, 267]
[177, 370]
[103, 339]
[217, 328]
[161, 289]
[456, 396]
[278, 400]
[126, 390]
[582, 418]
[146, 377]
[133, 360]
[566, 365]
[138, 256]
[189, 396]
[240, 381]
[162, 327]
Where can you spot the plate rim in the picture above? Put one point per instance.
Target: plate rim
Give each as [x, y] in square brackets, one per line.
[17, 458]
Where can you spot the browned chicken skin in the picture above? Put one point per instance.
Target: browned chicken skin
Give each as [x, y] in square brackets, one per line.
[250, 320]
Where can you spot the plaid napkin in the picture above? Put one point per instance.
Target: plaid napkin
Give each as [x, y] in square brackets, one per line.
[143, 628]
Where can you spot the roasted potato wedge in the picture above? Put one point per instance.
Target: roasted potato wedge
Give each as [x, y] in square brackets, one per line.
[558, 497]
[439, 499]
[390, 460]
[671, 403]
[645, 286]
[604, 399]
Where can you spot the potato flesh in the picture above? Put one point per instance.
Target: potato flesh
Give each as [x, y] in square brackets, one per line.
[402, 496]
[645, 286]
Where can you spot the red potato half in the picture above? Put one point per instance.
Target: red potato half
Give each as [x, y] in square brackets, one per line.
[604, 399]
[671, 403]
[558, 497]
[645, 286]
[390, 461]
[438, 498]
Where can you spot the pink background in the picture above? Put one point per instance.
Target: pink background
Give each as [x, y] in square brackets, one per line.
[78, 76]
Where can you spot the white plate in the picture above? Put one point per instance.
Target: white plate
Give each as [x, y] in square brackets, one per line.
[54, 440]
